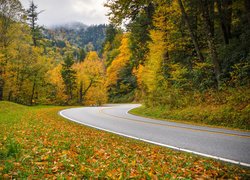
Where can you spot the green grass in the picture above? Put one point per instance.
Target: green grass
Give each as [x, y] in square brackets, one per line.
[211, 115]
[36, 143]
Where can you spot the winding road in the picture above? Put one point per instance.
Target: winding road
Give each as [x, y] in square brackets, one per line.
[226, 145]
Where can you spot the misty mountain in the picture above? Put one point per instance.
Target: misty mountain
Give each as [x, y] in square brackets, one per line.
[77, 34]
[77, 26]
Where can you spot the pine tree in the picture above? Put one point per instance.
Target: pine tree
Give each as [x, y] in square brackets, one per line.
[32, 21]
[69, 76]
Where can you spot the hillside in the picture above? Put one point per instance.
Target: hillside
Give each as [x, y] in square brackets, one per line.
[79, 35]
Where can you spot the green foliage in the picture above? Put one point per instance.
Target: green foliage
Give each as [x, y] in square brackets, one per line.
[8, 167]
[69, 77]
[229, 108]
[111, 55]
[240, 73]
[120, 10]
[139, 38]
[120, 79]
[202, 76]
[13, 148]
[78, 35]
[111, 32]
[32, 18]
[205, 115]
[169, 98]
[111, 45]
[235, 58]
[82, 55]
[96, 35]
[239, 99]
[123, 90]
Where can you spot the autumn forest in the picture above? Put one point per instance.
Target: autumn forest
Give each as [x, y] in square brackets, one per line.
[173, 55]
[69, 92]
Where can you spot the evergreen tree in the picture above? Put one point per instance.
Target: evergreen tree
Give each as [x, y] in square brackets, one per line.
[139, 38]
[112, 43]
[111, 32]
[82, 54]
[32, 21]
[69, 76]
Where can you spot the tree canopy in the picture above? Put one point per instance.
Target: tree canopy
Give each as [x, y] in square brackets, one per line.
[171, 53]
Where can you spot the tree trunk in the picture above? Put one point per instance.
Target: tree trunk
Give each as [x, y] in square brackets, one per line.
[19, 88]
[33, 92]
[10, 95]
[247, 7]
[225, 14]
[222, 22]
[81, 93]
[211, 14]
[195, 42]
[89, 86]
[211, 41]
[34, 41]
[2, 72]
[3, 64]
[227, 5]
[70, 93]
[1, 87]
[215, 61]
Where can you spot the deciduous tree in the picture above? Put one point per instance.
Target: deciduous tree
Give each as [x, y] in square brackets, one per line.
[11, 12]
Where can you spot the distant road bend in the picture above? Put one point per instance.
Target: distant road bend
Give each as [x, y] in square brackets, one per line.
[226, 145]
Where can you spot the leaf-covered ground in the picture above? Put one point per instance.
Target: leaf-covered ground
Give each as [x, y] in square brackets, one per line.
[36, 143]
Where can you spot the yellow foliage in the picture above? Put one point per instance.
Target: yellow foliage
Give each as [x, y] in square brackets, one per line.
[92, 56]
[119, 62]
[24, 69]
[55, 78]
[97, 94]
[166, 20]
[91, 73]
[139, 75]
[152, 73]
[178, 72]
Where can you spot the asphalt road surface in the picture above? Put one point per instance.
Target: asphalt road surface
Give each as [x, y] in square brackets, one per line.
[226, 145]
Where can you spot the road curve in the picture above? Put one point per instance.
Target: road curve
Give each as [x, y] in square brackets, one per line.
[226, 145]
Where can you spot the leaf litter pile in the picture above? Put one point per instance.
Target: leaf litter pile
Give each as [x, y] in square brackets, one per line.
[36, 143]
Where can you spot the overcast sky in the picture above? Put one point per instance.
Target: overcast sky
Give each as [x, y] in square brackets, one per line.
[63, 11]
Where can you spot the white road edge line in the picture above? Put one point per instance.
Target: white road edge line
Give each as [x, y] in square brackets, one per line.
[157, 143]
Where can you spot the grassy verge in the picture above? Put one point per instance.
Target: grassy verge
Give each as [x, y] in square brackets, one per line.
[217, 116]
[36, 143]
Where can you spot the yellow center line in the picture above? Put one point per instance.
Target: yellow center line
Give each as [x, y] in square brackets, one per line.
[173, 126]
